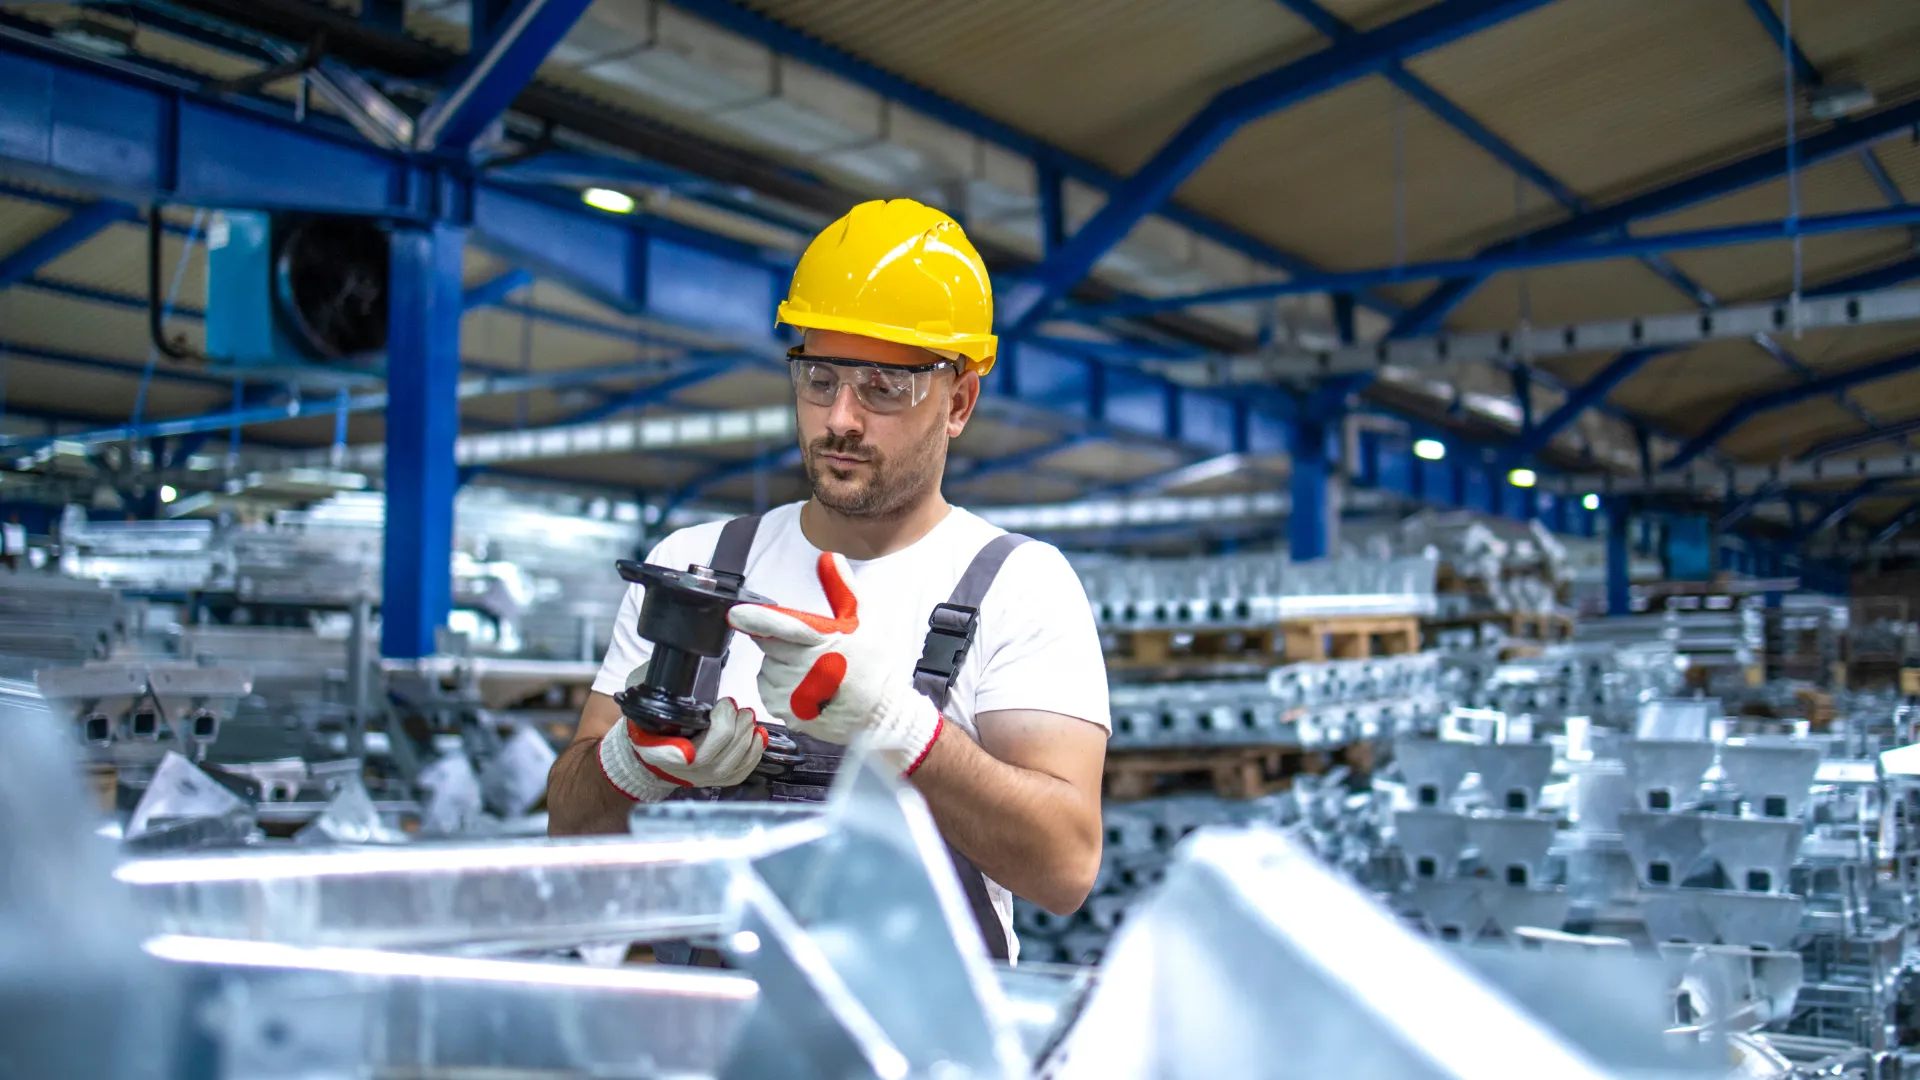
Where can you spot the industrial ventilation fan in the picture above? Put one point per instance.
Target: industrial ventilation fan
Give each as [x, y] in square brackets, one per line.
[296, 291]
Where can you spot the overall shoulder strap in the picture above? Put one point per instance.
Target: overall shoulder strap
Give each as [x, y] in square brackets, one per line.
[950, 633]
[953, 624]
[729, 556]
[736, 541]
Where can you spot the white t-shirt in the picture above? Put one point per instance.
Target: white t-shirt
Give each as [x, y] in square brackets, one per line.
[1036, 647]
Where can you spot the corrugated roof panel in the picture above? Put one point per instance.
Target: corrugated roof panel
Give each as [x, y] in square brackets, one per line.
[1615, 289]
[1838, 350]
[508, 339]
[1013, 488]
[987, 438]
[1785, 432]
[625, 472]
[39, 386]
[115, 261]
[22, 221]
[1320, 180]
[1872, 42]
[1765, 270]
[1109, 79]
[1613, 96]
[1109, 461]
[1684, 391]
[742, 388]
[77, 326]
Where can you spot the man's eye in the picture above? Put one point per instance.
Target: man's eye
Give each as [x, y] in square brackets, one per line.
[885, 388]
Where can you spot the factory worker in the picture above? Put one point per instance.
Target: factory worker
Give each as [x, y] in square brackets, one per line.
[1007, 747]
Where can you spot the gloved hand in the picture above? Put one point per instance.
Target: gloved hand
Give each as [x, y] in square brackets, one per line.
[648, 767]
[827, 678]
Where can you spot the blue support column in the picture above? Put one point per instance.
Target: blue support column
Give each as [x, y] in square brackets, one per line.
[1618, 559]
[423, 419]
[1310, 520]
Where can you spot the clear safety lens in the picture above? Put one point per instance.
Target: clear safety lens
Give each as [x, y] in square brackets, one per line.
[878, 388]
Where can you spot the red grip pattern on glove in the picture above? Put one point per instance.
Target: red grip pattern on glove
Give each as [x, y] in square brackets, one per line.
[840, 599]
[821, 682]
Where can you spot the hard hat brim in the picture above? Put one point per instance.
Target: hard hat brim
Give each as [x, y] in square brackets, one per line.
[979, 348]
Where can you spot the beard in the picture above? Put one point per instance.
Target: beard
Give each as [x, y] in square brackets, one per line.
[889, 487]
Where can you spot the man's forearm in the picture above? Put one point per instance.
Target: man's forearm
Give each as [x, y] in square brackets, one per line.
[1031, 832]
[580, 801]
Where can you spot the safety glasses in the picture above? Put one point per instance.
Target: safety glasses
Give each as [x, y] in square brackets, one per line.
[879, 388]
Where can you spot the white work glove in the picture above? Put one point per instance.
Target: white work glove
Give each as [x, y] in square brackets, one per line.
[828, 679]
[647, 768]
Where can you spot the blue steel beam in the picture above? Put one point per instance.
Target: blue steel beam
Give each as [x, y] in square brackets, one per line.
[1560, 255]
[82, 225]
[1836, 512]
[496, 72]
[790, 42]
[1898, 524]
[1792, 395]
[1861, 440]
[1149, 188]
[1726, 179]
[300, 408]
[1586, 396]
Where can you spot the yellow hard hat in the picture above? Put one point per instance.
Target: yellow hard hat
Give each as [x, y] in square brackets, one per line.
[898, 271]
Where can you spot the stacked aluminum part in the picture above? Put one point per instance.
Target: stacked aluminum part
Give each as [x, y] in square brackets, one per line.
[528, 580]
[133, 713]
[1225, 591]
[1309, 706]
[1473, 858]
[1605, 682]
[49, 619]
[1139, 845]
[1735, 637]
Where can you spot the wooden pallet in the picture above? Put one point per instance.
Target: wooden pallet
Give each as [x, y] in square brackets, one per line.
[1543, 626]
[1351, 638]
[1340, 638]
[1240, 772]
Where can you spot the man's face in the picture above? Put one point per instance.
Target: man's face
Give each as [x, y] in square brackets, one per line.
[869, 464]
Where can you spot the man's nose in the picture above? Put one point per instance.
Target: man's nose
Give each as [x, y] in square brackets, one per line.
[845, 416]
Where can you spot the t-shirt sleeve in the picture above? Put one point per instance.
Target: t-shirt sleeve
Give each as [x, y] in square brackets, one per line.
[1046, 655]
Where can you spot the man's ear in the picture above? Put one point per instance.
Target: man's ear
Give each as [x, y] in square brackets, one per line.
[961, 401]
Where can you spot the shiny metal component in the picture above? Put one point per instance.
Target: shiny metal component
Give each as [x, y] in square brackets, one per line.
[1772, 781]
[1431, 841]
[1229, 591]
[280, 1010]
[1666, 774]
[478, 897]
[835, 930]
[1512, 849]
[136, 712]
[1258, 919]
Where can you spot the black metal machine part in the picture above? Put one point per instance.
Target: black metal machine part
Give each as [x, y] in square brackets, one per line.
[684, 615]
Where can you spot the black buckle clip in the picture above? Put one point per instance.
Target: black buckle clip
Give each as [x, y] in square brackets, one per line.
[950, 631]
